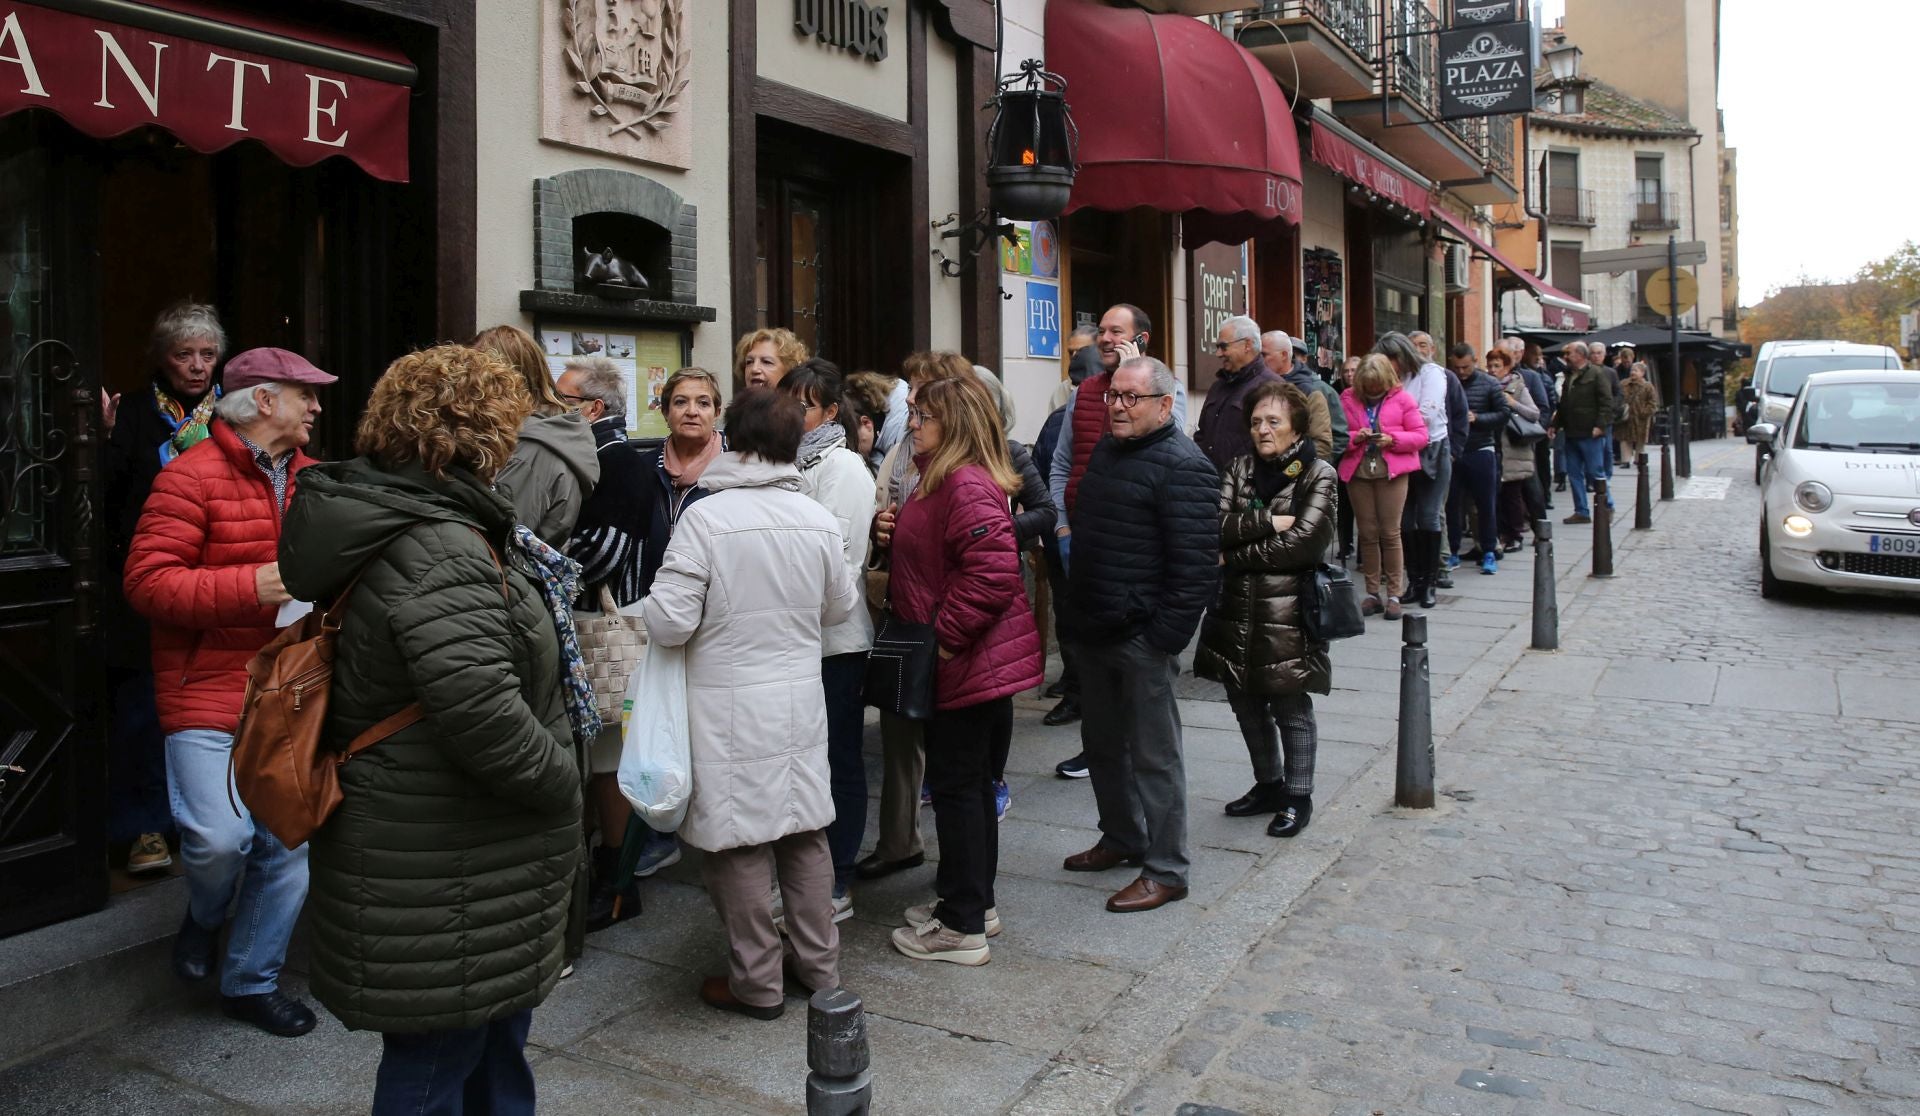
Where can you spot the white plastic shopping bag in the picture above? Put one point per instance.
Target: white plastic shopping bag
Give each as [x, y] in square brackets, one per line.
[656, 772]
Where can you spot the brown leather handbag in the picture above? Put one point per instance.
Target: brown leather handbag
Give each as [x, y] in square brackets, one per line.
[289, 781]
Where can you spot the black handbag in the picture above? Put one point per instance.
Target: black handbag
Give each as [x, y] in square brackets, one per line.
[1330, 605]
[900, 668]
[1523, 431]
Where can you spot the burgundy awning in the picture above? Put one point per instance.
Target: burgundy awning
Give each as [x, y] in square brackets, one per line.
[1354, 163]
[211, 76]
[1558, 309]
[1175, 116]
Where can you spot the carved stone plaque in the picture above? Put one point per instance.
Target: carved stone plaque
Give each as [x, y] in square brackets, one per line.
[616, 77]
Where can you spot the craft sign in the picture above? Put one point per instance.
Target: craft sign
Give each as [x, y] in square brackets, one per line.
[854, 25]
[1484, 71]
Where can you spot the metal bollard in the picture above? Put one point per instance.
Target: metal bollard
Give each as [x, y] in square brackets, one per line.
[840, 1084]
[1666, 472]
[1546, 604]
[1602, 530]
[1642, 495]
[1413, 768]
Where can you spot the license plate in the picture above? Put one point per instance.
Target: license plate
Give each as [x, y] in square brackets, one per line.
[1893, 544]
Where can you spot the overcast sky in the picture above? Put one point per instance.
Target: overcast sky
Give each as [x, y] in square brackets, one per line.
[1819, 102]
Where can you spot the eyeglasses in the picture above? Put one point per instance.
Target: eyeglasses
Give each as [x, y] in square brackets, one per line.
[1269, 422]
[916, 416]
[581, 400]
[1129, 399]
[1223, 346]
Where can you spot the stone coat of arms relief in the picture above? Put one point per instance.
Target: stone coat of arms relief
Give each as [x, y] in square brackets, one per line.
[615, 78]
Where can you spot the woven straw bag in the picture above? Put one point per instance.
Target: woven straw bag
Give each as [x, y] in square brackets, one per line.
[611, 643]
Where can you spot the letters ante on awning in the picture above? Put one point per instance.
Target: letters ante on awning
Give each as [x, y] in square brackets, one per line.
[1353, 163]
[210, 76]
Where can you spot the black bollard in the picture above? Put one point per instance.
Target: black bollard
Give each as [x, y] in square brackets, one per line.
[1602, 530]
[1642, 495]
[1546, 604]
[840, 1084]
[1413, 769]
[1666, 471]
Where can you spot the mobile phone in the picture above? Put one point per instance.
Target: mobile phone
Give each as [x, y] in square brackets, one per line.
[1140, 341]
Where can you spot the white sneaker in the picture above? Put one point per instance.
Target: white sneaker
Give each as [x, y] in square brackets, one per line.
[919, 916]
[931, 941]
[842, 911]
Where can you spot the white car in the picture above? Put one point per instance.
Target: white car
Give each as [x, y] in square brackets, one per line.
[1840, 501]
[1782, 366]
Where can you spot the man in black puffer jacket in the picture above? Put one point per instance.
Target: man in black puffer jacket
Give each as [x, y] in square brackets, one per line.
[1476, 472]
[1146, 557]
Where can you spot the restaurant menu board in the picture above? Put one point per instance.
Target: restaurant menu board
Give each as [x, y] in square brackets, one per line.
[645, 360]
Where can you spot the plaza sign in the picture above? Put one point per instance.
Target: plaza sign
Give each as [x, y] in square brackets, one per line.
[1485, 71]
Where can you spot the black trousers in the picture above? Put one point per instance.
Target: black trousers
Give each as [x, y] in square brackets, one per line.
[965, 747]
[1057, 586]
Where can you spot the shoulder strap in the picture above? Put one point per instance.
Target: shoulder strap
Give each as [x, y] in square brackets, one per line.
[384, 728]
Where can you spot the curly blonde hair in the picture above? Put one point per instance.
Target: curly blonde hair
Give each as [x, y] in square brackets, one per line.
[790, 349]
[518, 348]
[451, 405]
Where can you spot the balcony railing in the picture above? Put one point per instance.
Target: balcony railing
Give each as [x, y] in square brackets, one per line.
[1569, 205]
[1350, 21]
[1412, 54]
[1655, 210]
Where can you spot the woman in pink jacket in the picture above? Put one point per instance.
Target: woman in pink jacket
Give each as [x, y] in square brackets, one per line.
[956, 566]
[1387, 425]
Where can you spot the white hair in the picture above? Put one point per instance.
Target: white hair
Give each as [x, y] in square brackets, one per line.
[1278, 337]
[600, 379]
[240, 408]
[183, 322]
[1162, 379]
[1597, 350]
[1243, 328]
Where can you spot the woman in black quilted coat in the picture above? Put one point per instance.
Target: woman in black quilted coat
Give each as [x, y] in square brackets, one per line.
[1277, 522]
[439, 888]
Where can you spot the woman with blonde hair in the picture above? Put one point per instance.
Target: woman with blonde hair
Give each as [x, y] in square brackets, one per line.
[440, 887]
[1386, 424]
[764, 357]
[555, 463]
[956, 566]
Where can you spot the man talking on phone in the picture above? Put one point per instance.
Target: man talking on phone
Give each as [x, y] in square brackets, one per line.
[1124, 334]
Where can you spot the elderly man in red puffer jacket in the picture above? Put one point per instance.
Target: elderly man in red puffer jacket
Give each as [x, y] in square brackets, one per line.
[204, 569]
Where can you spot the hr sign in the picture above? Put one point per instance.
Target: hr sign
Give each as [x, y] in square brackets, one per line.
[1484, 71]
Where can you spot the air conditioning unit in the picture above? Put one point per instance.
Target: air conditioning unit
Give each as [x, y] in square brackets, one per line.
[1457, 265]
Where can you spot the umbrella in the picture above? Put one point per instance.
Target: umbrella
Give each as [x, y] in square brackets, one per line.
[1645, 337]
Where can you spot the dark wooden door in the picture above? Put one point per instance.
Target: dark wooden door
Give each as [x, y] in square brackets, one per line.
[52, 770]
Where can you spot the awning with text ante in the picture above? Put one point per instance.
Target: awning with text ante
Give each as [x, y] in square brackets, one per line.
[1175, 116]
[1559, 310]
[209, 74]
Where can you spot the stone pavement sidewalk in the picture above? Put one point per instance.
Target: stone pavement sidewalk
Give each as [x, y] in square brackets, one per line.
[1075, 1007]
[1676, 869]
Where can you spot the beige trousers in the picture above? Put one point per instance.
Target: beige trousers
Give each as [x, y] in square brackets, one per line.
[740, 882]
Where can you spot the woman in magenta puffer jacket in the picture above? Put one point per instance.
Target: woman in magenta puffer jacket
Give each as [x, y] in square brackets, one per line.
[956, 566]
[1380, 413]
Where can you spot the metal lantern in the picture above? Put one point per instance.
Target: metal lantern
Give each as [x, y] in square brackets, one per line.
[1031, 146]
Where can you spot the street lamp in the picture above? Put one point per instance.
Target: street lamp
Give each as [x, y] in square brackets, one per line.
[1031, 146]
[1564, 62]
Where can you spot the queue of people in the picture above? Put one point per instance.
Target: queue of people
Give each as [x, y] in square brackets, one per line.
[491, 504]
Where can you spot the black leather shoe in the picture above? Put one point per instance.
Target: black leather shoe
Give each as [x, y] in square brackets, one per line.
[872, 867]
[1429, 596]
[193, 950]
[1066, 713]
[1264, 798]
[274, 1012]
[1293, 817]
[1058, 690]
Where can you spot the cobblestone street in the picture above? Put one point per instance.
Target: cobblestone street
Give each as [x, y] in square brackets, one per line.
[1674, 869]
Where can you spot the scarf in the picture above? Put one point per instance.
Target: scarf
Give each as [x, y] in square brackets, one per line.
[686, 472]
[818, 442]
[1270, 476]
[189, 427]
[558, 578]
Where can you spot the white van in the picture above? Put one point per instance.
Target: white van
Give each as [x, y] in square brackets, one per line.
[1782, 367]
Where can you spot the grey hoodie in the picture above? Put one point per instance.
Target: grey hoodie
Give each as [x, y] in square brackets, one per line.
[551, 473]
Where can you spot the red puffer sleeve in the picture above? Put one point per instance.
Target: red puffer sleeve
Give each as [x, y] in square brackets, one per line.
[983, 565]
[166, 579]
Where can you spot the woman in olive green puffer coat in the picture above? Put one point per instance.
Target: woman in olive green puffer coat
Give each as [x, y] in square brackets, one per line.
[1277, 522]
[439, 889]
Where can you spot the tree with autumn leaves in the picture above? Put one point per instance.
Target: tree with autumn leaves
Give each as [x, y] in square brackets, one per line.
[1865, 309]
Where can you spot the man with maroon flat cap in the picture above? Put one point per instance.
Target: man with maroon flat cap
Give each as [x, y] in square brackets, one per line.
[204, 569]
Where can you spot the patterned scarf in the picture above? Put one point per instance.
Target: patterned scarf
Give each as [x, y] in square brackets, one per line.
[189, 429]
[559, 580]
[817, 442]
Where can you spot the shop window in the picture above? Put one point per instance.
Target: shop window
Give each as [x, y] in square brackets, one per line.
[1399, 279]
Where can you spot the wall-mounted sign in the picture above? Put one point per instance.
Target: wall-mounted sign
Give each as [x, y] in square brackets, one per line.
[1218, 273]
[1482, 13]
[1484, 71]
[853, 25]
[1043, 320]
[1034, 250]
[645, 358]
[614, 78]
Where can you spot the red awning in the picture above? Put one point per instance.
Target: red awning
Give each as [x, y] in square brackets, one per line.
[1174, 116]
[1358, 165]
[209, 75]
[1558, 309]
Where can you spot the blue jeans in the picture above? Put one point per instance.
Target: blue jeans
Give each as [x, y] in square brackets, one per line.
[1587, 460]
[843, 677]
[472, 1071]
[136, 760]
[1476, 478]
[229, 855]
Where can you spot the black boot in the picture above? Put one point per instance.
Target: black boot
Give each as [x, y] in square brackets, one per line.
[193, 950]
[1426, 550]
[1293, 817]
[610, 900]
[1264, 798]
